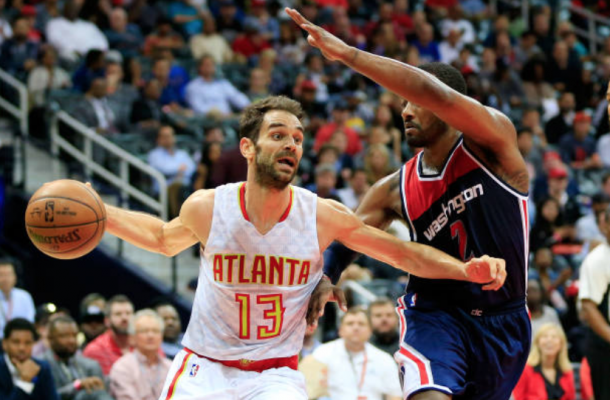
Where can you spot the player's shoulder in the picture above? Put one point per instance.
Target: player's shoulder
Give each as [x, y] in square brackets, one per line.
[201, 197]
[597, 258]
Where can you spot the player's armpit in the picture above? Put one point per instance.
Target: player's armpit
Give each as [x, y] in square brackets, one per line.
[594, 318]
[380, 201]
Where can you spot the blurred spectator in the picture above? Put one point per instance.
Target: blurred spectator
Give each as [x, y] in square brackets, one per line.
[530, 152]
[230, 167]
[353, 194]
[268, 25]
[163, 38]
[210, 154]
[564, 72]
[46, 76]
[187, 15]
[593, 295]
[258, 87]
[250, 43]
[121, 94]
[508, 85]
[45, 313]
[172, 332]
[141, 374]
[539, 93]
[123, 36]
[267, 62]
[462, 28]
[92, 318]
[146, 111]
[553, 272]
[212, 43]
[578, 148]
[560, 124]
[325, 182]
[547, 221]
[6, 32]
[530, 119]
[206, 93]
[537, 303]
[175, 164]
[527, 49]
[566, 32]
[45, 11]
[548, 373]
[291, 46]
[357, 368]
[315, 111]
[116, 341]
[426, 45]
[380, 135]
[173, 80]
[19, 54]
[310, 342]
[84, 35]
[384, 324]
[450, 48]
[542, 29]
[95, 112]
[377, 163]
[94, 66]
[76, 377]
[587, 228]
[14, 302]
[340, 116]
[314, 72]
[21, 376]
[229, 21]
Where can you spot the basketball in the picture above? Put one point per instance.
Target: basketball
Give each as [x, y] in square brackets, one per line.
[65, 219]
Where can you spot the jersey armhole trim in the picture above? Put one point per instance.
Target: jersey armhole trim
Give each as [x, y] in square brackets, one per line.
[403, 203]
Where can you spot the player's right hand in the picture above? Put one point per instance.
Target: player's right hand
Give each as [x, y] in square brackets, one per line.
[324, 292]
[489, 271]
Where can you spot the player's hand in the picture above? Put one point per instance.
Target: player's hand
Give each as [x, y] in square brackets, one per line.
[488, 271]
[324, 292]
[331, 46]
[27, 370]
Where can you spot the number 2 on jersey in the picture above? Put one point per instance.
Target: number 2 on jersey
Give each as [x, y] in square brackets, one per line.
[275, 314]
[459, 231]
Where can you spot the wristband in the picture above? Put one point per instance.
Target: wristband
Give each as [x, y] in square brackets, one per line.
[77, 384]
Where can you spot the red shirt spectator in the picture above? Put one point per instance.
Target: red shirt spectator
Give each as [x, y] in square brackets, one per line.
[105, 350]
[531, 386]
[340, 117]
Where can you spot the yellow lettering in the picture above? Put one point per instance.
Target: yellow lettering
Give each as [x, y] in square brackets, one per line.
[259, 270]
[304, 275]
[276, 265]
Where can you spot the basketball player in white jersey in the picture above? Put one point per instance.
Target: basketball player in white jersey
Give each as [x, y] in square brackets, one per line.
[262, 242]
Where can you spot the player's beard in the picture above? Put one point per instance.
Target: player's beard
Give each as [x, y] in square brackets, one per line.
[266, 173]
[427, 137]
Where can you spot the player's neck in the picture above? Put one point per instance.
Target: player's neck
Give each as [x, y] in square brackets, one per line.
[436, 154]
[265, 206]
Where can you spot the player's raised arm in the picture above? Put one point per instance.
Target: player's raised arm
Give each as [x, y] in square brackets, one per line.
[485, 126]
[153, 234]
[337, 222]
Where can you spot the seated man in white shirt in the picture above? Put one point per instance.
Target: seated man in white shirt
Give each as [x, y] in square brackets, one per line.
[206, 94]
[14, 302]
[21, 376]
[357, 369]
[176, 165]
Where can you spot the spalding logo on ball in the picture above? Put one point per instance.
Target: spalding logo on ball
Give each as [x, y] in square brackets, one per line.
[65, 219]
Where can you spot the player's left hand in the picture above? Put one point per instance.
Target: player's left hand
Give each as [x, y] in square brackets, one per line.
[489, 271]
[324, 292]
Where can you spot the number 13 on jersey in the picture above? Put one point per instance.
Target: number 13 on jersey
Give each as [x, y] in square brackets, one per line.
[273, 312]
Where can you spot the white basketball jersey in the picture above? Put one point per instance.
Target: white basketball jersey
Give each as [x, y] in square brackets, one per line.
[253, 290]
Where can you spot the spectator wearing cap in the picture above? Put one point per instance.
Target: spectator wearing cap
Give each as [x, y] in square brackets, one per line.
[19, 53]
[206, 93]
[141, 373]
[84, 35]
[29, 13]
[107, 348]
[557, 179]
[123, 36]
[172, 331]
[76, 377]
[587, 228]
[21, 376]
[163, 38]
[92, 318]
[578, 149]
[212, 43]
[229, 20]
[14, 302]
[250, 43]
[561, 124]
[340, 116]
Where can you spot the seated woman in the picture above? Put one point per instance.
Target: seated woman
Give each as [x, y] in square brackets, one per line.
[548, 373]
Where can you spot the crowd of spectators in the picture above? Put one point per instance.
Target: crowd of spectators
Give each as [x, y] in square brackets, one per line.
[172, 77]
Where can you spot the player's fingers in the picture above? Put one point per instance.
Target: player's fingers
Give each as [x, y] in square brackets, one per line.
[340, 296]
[296, 16]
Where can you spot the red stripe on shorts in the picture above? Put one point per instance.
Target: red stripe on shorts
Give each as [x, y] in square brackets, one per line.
[170, 391]
[423, 374]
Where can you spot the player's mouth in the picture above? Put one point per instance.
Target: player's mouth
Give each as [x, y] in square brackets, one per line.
[410, 128]
[287, 161]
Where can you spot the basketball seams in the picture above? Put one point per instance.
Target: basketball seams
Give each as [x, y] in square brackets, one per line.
[97, 228]
[65, 198]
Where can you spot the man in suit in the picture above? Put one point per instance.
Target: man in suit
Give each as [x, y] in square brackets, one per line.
[21, 376]
[94, 111]
[76, 377]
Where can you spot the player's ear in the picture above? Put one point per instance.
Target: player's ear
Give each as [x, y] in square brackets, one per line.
[247, 148]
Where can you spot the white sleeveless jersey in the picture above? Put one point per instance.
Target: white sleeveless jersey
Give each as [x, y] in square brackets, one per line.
[253, 290]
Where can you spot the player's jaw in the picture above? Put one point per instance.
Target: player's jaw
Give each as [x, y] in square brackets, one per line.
[275, 171]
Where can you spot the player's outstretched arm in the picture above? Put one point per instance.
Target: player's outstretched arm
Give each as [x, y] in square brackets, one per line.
[337, 222]
[153, 234]
[485, 126]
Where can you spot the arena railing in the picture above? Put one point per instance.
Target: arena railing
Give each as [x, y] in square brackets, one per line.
[125, 160]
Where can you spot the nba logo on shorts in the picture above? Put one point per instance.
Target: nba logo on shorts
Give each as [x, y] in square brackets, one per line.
[194, 369]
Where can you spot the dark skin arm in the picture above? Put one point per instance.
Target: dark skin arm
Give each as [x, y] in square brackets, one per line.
[595, 319]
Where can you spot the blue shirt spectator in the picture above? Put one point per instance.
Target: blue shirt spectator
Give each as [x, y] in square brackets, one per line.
[185, 15]
[14, 302]
[124, 37]
[18, 54]
[175, 164]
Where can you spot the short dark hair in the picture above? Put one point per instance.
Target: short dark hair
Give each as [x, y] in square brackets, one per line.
[19, 324]
[93, 56]
[252, 118]
[447, 74]
[119, 298]
[380, 301]
[524, 131]
[61, 319]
